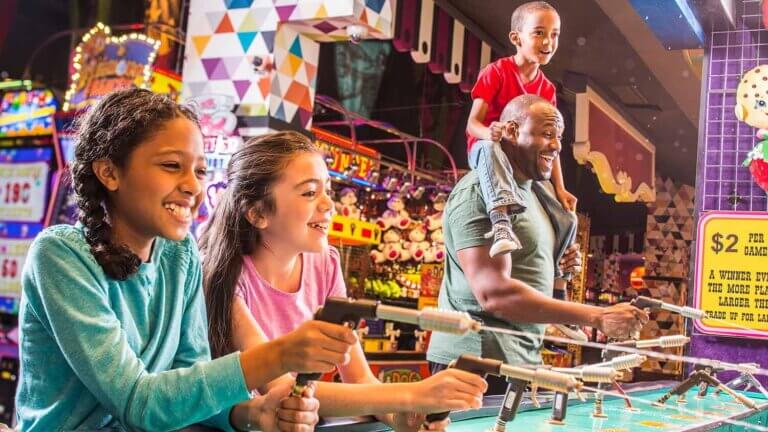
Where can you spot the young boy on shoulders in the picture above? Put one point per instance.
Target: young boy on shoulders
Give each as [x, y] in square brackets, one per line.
[535, 29]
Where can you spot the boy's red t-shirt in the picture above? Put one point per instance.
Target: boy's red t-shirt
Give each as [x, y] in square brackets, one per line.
[500, 82]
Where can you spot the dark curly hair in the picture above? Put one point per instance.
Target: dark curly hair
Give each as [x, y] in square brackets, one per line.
[112, 130]
[251, 174]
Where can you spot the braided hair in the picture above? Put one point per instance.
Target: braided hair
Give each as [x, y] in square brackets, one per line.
[112, 130]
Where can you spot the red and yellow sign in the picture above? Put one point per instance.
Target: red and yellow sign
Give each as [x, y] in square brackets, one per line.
[731, 279]
[354, 232]
[400, 371]
[431, 279]
[166, 82]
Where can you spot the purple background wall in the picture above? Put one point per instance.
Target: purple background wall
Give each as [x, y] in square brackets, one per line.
[721, 182]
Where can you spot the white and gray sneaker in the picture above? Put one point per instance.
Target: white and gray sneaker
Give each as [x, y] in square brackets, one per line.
[504, 239]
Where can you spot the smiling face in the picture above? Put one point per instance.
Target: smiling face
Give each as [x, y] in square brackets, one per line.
[160, 188]
[538, 36]
[752, 97]
[537, 144]
[303, 207]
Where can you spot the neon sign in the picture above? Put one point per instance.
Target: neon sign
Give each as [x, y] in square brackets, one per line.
[104, 63]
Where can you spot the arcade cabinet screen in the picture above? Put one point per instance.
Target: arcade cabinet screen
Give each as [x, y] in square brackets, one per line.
[28, 174]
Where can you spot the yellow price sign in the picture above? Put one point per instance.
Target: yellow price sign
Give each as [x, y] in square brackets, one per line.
[731, 280]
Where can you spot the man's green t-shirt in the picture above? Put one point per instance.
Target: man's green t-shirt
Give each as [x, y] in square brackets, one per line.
[465, 223]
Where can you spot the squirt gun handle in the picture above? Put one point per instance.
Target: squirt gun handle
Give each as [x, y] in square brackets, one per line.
[642, 302]
[342, 311]
[472, 364]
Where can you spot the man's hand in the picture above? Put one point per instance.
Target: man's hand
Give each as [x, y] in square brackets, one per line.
[621, 321]
[571, 260]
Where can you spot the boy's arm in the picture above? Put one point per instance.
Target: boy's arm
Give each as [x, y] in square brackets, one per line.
[567, 199]
[475, 126]
[557, 175]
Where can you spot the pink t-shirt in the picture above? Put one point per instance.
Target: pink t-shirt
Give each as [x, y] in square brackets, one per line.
[278, 312]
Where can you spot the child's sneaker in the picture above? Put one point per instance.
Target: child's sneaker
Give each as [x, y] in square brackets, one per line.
[504, 239]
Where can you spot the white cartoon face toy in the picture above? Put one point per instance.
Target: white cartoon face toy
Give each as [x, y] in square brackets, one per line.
[752, 99]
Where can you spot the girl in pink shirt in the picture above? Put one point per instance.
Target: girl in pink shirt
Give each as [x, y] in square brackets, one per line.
[268, 267]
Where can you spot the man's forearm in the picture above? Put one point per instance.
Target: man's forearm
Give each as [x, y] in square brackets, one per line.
[524, 304]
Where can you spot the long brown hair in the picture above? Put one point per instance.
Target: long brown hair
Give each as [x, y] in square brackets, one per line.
[112, 130]
[251, 173]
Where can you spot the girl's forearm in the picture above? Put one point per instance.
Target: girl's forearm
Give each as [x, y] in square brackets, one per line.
[340, 400]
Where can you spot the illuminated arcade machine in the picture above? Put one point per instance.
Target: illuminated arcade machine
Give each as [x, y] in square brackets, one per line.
[30, 169]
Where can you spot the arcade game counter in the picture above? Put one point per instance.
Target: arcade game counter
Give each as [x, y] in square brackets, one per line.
[705, 414]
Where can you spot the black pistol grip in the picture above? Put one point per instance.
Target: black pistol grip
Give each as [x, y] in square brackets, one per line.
[475, 365]
[342, 311]
[642, 302]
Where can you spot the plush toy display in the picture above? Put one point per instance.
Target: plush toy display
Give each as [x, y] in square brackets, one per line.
[435, 220]
[390, 249]
[438, 244]
[417, 244]
[395, 215]
[752, 109]
[346, 204]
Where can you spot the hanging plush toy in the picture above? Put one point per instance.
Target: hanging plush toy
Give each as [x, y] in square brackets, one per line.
[417, 246]
[390, 249]
[346, 205]
[435, 220]
[395, 216]
[438, 244]
[752, 109]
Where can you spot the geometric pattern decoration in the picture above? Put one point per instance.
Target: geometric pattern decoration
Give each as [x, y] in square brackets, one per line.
[669, 230]
[610, 274]
[668, 241]
[227, 38]
[596, 256]
[664, 323]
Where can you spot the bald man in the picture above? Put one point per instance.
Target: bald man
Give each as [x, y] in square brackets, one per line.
[515, 290]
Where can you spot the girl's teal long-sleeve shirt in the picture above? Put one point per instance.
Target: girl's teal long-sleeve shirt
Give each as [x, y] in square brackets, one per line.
[102, 353]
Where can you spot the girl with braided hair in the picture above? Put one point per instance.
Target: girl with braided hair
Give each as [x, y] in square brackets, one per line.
[113, 329]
